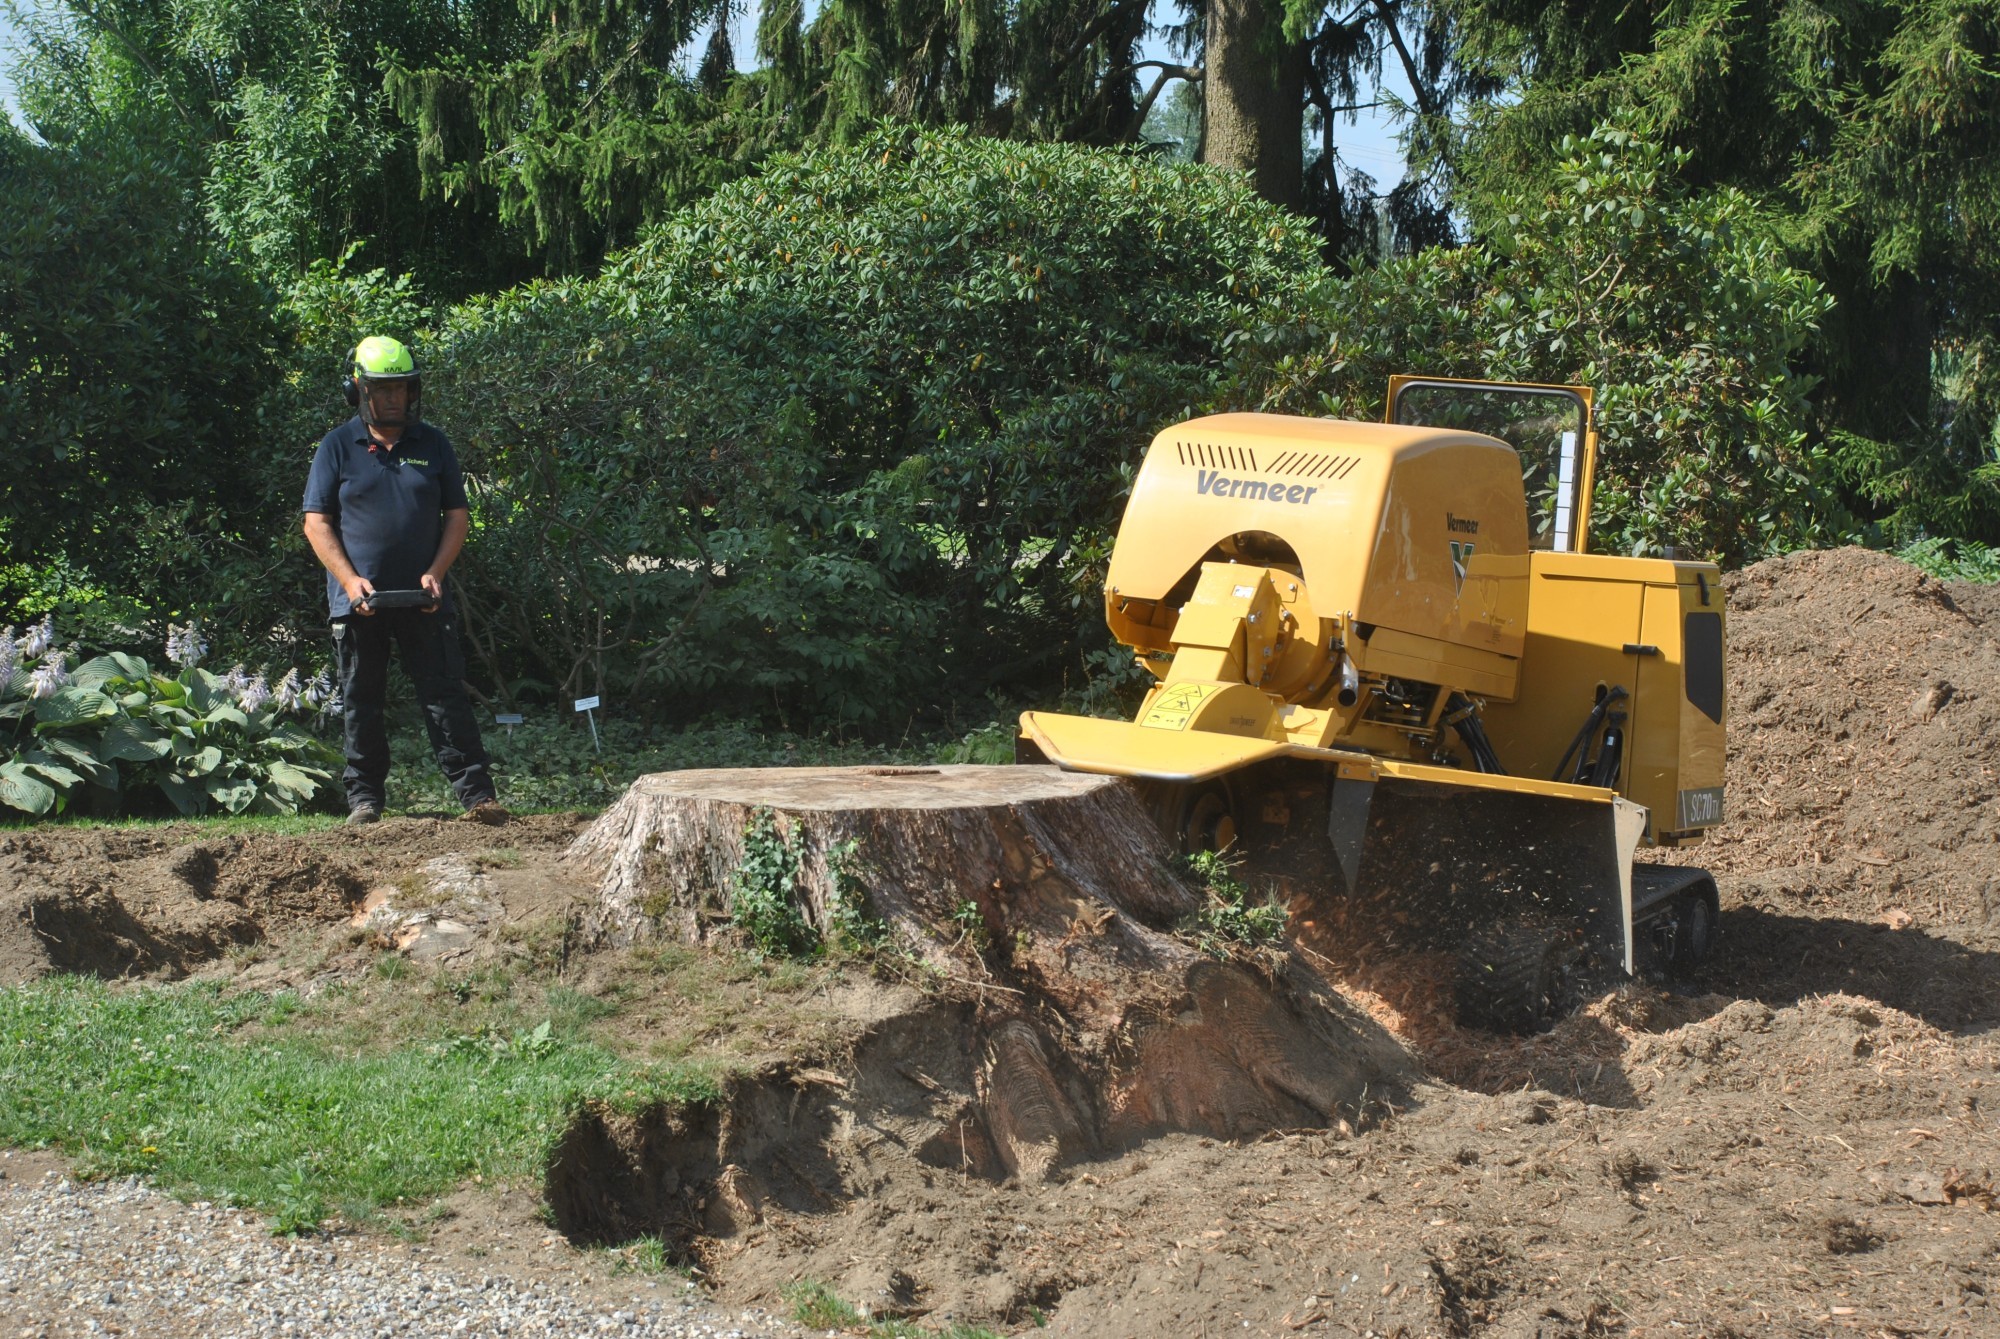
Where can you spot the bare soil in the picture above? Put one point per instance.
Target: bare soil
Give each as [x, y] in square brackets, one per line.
[1798, 1142]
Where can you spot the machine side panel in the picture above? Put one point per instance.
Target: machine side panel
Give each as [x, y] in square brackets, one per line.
[1578, 630]
[1654, 742]
[1689, 743]
[1448, 504]
[1428, 660]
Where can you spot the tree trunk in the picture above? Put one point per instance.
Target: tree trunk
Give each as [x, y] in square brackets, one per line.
[1254, 98]
[1045, 903]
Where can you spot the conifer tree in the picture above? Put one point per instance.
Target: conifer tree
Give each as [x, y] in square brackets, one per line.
[1873, 131]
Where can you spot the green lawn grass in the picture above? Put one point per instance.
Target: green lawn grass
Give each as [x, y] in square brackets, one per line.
[218, 825]
[182, 1085]
[818, 1307]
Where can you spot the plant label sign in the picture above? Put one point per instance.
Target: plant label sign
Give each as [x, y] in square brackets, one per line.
[588, 706]
[507, 718]
[587, 703]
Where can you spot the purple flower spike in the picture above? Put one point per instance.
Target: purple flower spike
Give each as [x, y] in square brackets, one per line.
[49, 678]
[35, 643]
[185, 646]
[255, 694]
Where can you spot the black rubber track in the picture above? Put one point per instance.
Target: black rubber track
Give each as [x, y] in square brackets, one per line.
[1520, 975]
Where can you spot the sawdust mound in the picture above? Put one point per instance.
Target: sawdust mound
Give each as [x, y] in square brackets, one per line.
[1860, 851]
[1864, 703]
[1892, 1058]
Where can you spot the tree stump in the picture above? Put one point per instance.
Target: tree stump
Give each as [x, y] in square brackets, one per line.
[1046, 903]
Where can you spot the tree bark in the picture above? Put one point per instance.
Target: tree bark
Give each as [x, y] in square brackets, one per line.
[1253, 98]
[1045, 903]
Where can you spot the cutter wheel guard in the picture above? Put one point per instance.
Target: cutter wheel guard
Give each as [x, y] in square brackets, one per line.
[1394, 681]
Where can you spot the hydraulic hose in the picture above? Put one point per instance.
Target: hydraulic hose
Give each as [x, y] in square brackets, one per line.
[1463, 716]
[1604, 770]
[1582, 741]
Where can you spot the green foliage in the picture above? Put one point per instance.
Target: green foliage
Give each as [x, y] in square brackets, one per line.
[213, 750]
[1111, 684]
[1870, 134]
[764, 897]
[971, 923]
[1677, 306]
[838, 448]
[990, 745]
[647, 1255]
[115, 730]
[817, 1306]
[1228, 916]
[279, 115]
[1953, 560]
[584, 129]
[157, 1082]
[1043, 70]
[299, 1208]
[549, 763]
[848, 436]
[133, 351]
[855, 926]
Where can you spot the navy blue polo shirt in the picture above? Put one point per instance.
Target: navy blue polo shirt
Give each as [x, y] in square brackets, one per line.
[387, 505]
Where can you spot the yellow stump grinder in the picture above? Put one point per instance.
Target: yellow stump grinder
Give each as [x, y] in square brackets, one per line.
[1393, 679]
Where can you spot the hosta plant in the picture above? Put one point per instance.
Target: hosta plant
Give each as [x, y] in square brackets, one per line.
[117, 731]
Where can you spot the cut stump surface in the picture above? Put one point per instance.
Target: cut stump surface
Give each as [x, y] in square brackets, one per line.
[1049, 912]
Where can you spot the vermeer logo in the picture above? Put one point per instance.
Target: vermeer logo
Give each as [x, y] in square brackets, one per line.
[1461, 554]
[1459, 525]
[1219, 485]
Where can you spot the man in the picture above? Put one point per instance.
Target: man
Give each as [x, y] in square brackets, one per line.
[385, 511]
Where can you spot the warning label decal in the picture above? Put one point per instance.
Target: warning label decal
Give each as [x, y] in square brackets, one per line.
[1177, 704]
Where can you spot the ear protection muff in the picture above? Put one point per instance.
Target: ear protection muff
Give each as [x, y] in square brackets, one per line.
[350, 385]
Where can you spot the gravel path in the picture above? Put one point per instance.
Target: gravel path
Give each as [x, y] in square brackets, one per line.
[120, 1258]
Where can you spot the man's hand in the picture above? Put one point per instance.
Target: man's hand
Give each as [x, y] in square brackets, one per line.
[359, 588]
[457, 521]
[325, 541]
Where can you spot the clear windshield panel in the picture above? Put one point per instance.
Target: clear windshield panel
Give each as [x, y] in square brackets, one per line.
[1546, 426]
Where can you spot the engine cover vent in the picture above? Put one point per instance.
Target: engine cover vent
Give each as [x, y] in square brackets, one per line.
[1243, 460]
[1313, 465]
[1238, 458]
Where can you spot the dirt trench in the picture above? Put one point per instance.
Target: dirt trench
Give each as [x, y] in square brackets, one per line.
[168, 902]
[124, 906]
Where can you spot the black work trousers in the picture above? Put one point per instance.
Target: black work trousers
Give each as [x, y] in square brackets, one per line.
[427, 645]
